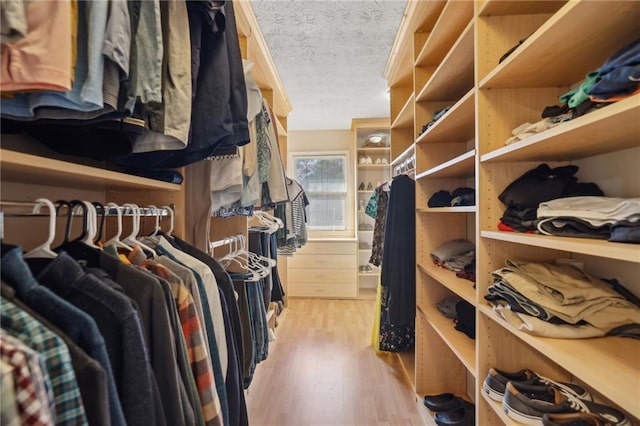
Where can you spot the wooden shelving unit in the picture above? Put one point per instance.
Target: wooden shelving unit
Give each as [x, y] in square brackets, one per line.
[456, 49]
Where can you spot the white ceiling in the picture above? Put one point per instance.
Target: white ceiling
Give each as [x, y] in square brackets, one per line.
[330, 56]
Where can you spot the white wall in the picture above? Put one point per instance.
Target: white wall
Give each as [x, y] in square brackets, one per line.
[327, 140]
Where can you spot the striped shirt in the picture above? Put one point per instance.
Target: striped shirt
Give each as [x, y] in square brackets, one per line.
[194, 336]
[67, 400]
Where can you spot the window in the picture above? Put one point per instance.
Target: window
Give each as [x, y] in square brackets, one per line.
[324, 179]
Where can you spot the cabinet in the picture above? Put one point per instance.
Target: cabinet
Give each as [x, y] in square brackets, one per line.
[446, 54]
[373, 168]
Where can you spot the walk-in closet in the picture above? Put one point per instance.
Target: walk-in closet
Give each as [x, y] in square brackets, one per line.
[267, 212]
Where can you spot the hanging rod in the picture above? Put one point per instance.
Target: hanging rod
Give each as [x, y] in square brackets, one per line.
[126, 211]
[228, 240]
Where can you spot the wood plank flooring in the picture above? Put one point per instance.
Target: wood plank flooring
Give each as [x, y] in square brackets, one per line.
[323, 371]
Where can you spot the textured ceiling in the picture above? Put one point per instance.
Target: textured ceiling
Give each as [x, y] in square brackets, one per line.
[330, 56]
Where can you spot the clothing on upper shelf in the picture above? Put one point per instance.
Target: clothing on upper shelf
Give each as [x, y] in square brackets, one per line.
[619, 75]
[454, 254]
[436, 116]
[524, 194]
[150, 84]
[461, 196]
[590, 217]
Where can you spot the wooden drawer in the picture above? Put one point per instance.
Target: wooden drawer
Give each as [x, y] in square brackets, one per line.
[322, 289]
[327, 247]
[321, 261]
[313, 275]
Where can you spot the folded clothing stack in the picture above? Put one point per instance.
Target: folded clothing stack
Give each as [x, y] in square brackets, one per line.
[454, 254]
[462, 196]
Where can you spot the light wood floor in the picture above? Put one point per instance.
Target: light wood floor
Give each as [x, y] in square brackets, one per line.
[322, 370]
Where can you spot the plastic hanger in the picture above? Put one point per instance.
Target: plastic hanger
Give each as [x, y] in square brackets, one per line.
[157, 212]
[115, 240]
[44, 250]
[132, 238]
[92, 225]
[170, 210]
[103, 217]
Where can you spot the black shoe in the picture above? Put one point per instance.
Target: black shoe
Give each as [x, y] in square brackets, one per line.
[496, 381]
[443, 402]
[528, 403]
[461, 416]
[361, 186]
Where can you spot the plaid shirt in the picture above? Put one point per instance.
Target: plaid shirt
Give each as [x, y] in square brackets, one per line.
[194, 337]
[67, 400]
[32, 408]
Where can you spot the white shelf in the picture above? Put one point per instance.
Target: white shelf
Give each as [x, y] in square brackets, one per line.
[454, 76]
[618, 356]
[567, 57]
[373, 166]
[405, 116]
[593, 247]
[460, 167]
[461, 345]
[381, 150]
[618, 124]
[459, 286]
[27, 168]
[460, 209]
[457, 125]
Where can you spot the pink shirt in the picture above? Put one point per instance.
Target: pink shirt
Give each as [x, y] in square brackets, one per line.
[41, 60]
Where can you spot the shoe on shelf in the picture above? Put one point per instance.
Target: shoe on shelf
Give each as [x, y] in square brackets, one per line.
[496, 381]
[443, 402]
[385, 161]
[461, 416]
[529, 403]
[364, 245]
[369, 186]
[365, 268]
[361, 186]
[369, 161]
[378, 161]
[574, 419]
[362, 160]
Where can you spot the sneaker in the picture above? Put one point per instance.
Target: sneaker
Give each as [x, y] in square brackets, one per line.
[385, 161]
[362, 160]
[369, 161]
[361, 186]
[574, 419]
[496, 381]
[369, 186]
[378, 161]
[528, 403]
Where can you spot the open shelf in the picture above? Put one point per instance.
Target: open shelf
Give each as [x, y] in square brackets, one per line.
[593, 247]
[366, 293]
[373, 166]
[460, 167]
[454, 76]
[459, 286]
[460, 209]
[405, 116]
[567, 58]
[521, 7]
[374, 151]
[457, 125]
[461, 345]
[27, 168]
[454, 18]
[405, 154]
[617, 123]
[617, 355]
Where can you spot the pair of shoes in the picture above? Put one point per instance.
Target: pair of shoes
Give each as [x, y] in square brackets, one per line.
[450, 409]
[365, 268]
[528, 404]
[385, 161]
[496, 381]
[369, 186]
[364, 245]
[378, 161]
[361, 186]
[365, 161]
[574, 419]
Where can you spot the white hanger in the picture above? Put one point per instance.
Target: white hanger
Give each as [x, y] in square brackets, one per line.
[156, 228]
[92, 225]
[115, 240]
[44, 250]
[170, 210]
[131, 239]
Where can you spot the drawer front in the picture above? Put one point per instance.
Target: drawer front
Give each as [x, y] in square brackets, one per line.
[323, 289]
[331, 247]
[322, 261]
[323, 275]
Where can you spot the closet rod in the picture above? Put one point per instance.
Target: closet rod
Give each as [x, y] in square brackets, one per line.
[228, 240]
[126, 211]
